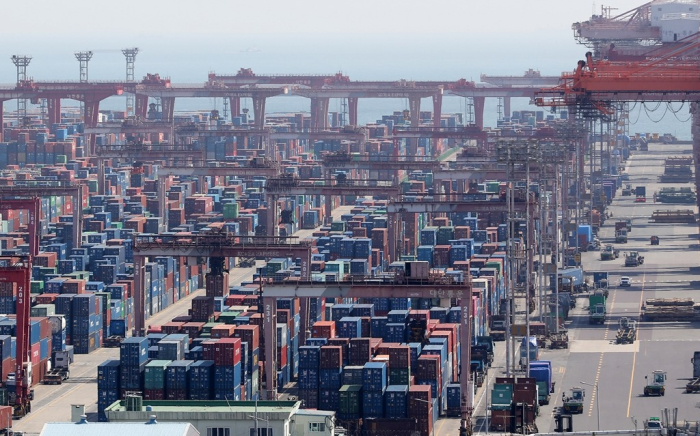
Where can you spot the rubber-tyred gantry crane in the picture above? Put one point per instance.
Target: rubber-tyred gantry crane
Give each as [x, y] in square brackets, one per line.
[288, 185]
[219, 246]
[19, 272]
[396, 287]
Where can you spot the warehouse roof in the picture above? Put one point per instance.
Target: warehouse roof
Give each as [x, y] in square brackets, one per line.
[118, 429]
[210, 406]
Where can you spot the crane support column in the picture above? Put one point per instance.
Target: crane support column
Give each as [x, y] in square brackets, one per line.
[139, 329]
[78, 217]
[92, 113]
[352, 109]
[270, 338]
[259, 111]
[235, 104]
[141, 106]
[437, 115]
[168, 108]
[479, 103]
[506, 107]
[414, 108]
[162, 201]
[2, 116]
[695, 130]
[54, 108]
[323, 113]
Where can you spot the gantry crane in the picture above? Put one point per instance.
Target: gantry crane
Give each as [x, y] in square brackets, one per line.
[396, 287]
[666, 75]
[34, 188]
[216, 247]
[288, 185]
[256, 167]
[19, 271]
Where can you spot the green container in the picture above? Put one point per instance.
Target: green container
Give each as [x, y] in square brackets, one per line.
[231, 210]
[43, 310]
[92, 186]
[106, 298]
[494, 265]
[61, 159]
[228, 317]
[399, 376]
[117, 225]
[37, 287]
[154, 375]
[338, 226]
[210, 325]
[350, 399]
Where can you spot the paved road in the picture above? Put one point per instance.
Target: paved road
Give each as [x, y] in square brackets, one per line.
[669, 270]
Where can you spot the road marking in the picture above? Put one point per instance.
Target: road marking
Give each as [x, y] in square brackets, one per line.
[612, 304]
[634, 356]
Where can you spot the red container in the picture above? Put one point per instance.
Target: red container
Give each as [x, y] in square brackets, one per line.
[172, 327]
[419, 400]
[35, 353]
[249, 334]
[224, 352]
[282, 356]
[223, 331]
[323, 329]
[418, 315]
[176, 394]
[8, 366]
[193, 329]
[331, 357]
[154, 394]
[399, 356]
[360, 351]
[428, 368]
[6, 417]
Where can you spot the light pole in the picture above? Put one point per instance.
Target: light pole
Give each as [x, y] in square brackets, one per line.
[597, 403]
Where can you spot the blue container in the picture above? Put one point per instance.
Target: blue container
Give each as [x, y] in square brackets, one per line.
[131, 377]
[118, 327]
[363, 310]
[372, 404]
[396, 401]
[308, 378]
[316, 342]
[453, 395]
[108, 375]
[58, 341]
[350, 327]
[330, 378]
[227, 377]
[201, 377]
[44, 349]
[397, 316]
[435, 349]
[329, 399]
[133, 351]
[309, 357]
[84, 305]
[378, 326]
[374, 376]
[433, 386]
[177, 374]
[395, 333]
[5, 346]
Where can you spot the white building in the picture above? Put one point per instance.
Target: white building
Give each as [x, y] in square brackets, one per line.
[233, 418]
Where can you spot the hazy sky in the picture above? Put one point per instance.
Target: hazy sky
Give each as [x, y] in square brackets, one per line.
[309, 35]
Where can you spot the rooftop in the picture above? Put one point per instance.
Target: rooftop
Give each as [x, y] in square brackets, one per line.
[118, 428]
[210, 406]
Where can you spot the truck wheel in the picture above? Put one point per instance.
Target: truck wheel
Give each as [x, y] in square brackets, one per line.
[646, 392]
[663, 391]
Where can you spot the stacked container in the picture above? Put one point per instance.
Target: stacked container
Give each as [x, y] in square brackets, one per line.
[226, 355]
[308, 381]
[108, 386]
[373, 387]
[154, 380]
[87, 323]
[133, 356]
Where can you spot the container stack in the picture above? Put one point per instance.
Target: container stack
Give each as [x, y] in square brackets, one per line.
[330, 376]
[514, 404]
[177, 375]
[308, 382]
[373, 387]
[133, 356]
[226, 355]
[154, 380]
[108, 386]
[87, 323]
[250, 336]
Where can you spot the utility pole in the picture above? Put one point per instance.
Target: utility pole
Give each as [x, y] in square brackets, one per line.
[21, 63]
[130, 54]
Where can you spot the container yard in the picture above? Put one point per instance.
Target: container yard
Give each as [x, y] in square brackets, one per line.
[421, 274]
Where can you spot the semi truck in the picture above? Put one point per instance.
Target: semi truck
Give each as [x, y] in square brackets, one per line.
[596, 308]
[541, 371]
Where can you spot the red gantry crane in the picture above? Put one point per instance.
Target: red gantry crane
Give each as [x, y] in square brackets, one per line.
[669, 74]
[17, 272]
